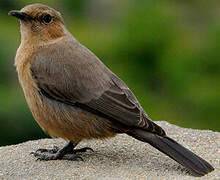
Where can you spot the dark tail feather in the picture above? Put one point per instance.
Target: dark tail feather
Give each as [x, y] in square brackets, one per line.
[168, 146]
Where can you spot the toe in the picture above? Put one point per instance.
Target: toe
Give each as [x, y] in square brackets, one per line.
[85, 149]
[73, 157]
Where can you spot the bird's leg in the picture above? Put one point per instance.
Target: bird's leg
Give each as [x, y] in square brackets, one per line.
[59, 153]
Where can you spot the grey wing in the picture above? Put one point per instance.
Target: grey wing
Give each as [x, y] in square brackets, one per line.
[120, 103]
[88, 84]
[67, 76]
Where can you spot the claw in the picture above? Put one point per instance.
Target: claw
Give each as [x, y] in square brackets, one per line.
[73, 157]
[89, 149]
[85, 149]
[51, 151]
[57, 153]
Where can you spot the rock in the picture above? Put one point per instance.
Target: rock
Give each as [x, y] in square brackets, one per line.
[121, 157]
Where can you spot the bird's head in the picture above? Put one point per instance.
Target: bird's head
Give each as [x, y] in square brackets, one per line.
[39, 22]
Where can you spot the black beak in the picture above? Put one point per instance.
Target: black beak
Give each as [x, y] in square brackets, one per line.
[20, 15]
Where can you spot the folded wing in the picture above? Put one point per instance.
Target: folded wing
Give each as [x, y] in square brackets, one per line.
[80, 78]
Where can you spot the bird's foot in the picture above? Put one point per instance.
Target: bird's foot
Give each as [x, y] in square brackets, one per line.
[50, 151]
[60, 153]
[85, 149]
[69, 151]
[56, 156]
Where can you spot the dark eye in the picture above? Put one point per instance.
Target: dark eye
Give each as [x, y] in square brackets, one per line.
[47, 18]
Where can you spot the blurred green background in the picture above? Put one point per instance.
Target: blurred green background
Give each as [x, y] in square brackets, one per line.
[167, 52]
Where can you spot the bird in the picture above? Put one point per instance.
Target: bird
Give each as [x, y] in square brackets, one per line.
[74, 96]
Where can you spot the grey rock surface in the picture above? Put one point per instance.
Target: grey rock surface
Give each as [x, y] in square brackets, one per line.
[121, 157]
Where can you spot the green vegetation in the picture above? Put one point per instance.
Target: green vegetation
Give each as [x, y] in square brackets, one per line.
[167, 52]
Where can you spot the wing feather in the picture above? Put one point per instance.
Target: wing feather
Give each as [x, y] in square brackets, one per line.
[60, 76]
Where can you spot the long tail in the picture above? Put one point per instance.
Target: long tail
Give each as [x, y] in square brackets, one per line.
[168, 146]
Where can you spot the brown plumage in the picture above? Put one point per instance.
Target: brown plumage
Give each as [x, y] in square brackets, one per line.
[73, 95]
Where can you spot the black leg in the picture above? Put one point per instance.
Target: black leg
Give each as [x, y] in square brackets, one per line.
[56, 153]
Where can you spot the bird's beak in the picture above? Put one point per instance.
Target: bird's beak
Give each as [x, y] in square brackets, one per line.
[20, 15]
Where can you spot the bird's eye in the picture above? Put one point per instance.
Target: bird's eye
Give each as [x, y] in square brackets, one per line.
[47, 18]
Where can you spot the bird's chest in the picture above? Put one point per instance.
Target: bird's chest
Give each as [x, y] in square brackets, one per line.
[41, 112]
[30, 89]
[22, 62]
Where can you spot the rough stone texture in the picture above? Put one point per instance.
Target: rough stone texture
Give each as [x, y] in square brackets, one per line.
[121, 157]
